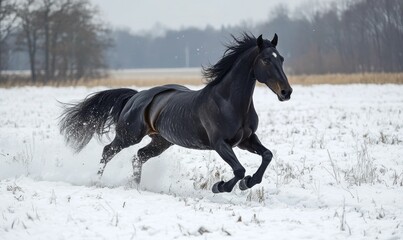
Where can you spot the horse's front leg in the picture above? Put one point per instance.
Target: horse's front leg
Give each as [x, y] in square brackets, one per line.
[253, 145]
[226, 153]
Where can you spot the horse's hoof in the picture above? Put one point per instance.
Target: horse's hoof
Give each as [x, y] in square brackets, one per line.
[132, 184]
[243, 184]
[217, 186]
[136, 179]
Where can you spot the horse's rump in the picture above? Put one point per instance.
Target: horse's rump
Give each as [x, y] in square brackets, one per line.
[137, 109]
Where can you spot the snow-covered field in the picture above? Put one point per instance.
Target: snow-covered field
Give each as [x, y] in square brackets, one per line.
[337, 173]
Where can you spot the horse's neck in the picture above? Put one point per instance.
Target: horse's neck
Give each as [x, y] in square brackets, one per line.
[238, 85]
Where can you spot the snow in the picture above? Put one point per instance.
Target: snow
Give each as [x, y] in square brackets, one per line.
[337, 173]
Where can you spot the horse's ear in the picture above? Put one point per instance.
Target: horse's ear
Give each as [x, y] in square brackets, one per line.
[260, 42]
[275, 40]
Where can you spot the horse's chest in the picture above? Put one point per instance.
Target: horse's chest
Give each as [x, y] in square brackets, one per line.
[242, 129]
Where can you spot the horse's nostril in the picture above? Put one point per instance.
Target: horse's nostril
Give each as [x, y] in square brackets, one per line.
[286, 93]
[283, 92]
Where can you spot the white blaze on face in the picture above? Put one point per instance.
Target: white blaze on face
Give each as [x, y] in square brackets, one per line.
[274, 54]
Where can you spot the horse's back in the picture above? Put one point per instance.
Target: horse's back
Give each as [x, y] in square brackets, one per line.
[143, 98]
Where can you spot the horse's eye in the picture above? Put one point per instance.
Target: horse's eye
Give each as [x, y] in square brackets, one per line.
[266, 61]
[281, 59]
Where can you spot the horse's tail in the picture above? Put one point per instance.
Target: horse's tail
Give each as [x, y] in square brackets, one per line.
[94, 115]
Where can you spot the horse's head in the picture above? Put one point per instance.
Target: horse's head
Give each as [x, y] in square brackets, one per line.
[268, 68]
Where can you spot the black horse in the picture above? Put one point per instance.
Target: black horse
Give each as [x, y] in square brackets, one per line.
[218, 117]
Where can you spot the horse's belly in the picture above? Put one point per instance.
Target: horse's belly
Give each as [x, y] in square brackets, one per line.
[180, 127]
[188, 138]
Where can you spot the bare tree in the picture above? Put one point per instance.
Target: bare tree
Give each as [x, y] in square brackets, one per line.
[7, 20]
[84, 42]
[29, 34]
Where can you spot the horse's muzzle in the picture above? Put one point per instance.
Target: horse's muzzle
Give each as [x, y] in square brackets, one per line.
[285, 94]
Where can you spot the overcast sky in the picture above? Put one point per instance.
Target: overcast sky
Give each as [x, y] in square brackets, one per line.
[143, 15]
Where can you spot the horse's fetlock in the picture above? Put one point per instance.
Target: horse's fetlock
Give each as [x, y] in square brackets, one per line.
[267, 156]
[240, 173]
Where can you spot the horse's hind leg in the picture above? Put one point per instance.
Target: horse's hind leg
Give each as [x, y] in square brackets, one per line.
[110, 151]
[124, 138]
[157, 146]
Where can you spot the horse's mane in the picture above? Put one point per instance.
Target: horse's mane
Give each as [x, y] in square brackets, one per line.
[215, 73]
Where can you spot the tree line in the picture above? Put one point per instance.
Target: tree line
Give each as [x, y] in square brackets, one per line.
[346, 37]
[350, 36]
[67, 40]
